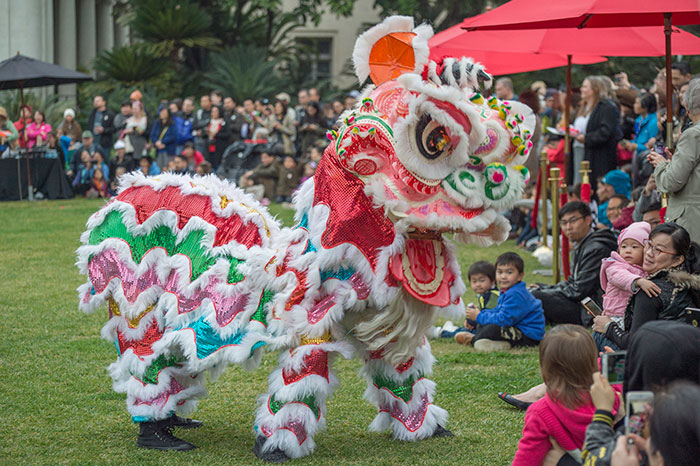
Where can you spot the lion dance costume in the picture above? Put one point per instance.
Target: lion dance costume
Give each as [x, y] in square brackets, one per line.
[198, 275]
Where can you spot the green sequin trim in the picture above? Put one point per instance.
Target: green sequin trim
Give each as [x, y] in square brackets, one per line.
[309, 401]
[260, 313]
[113, 227]
[234, 276]
[150, 375]
[403, 390]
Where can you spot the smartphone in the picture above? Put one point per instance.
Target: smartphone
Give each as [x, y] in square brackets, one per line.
[637, 410]
[692, 316]
[591, 307]
[660, 149]
[614, 366]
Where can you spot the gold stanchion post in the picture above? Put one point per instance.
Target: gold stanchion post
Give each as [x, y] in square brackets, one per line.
[555, 179]
[544, 173]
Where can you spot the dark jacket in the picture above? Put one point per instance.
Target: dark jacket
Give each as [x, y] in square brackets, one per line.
[287, 180]
[234, 121]
[659, 353]
[267, 176]
[105, 138]
[601, 139]
[185, 128]
[169, 137]
[676, 294]
[584, 280]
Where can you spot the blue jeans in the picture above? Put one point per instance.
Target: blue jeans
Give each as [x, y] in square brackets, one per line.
[446, 334]
[601, 341]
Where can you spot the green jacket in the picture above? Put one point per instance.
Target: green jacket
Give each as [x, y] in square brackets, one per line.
[8, 126]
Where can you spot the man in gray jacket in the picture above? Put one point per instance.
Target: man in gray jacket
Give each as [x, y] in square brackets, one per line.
[679, 176]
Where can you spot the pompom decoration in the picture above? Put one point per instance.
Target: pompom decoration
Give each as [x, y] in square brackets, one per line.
[477, 98]
[525, 172]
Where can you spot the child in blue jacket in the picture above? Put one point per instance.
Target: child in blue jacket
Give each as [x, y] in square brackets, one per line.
[517, 319]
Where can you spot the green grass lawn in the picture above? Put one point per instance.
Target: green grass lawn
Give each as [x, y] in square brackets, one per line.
[57, 404]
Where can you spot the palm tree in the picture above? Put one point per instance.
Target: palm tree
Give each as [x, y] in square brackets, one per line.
[172, 25]
[244, 72]
[131, 63]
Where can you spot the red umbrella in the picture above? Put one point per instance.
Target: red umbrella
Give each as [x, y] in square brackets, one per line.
[613, 42]
[529, 14]
[500, 63]
[534, 14]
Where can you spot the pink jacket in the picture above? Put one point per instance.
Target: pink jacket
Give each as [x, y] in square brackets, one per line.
[33, 131]
[546, 418]
[616, 278]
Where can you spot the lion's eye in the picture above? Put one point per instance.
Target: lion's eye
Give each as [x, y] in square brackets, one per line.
[432, 139]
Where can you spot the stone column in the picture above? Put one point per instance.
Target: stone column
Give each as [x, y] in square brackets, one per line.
[21, 26]
[87, 38]
[66, 46]
[105, 26]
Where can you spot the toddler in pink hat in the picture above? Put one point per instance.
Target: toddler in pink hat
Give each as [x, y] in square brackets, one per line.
[621, 274]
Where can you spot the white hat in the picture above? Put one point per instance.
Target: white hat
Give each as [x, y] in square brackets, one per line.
[69, 111]
[119, 145]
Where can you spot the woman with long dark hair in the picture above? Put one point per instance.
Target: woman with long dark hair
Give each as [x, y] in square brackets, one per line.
[282, 130]
[672, 261]
[164, 137]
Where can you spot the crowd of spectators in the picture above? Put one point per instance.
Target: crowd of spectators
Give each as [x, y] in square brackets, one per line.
[183, 138]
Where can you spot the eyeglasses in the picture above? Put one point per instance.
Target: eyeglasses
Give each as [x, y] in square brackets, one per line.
[655, 250]
[571, 221]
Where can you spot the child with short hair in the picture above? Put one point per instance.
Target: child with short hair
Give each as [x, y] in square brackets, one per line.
[568, 360]
[621, 275]
[482, 279]
[517, 319]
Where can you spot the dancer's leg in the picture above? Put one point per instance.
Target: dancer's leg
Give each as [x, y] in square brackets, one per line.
[404, 396]
[294, 409]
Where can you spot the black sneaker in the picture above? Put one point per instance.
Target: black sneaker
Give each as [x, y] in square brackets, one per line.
[442, 432]
[274, 456]
[158, 436]
[184, 423]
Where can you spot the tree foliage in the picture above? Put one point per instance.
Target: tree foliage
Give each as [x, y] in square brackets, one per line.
[441, 14]
[172, 25]
[130, 63]
[243, 72]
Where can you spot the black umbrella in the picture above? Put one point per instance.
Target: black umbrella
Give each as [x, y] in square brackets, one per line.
[19, 72]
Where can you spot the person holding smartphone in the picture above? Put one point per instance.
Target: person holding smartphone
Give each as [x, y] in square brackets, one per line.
[679, 176]
[660, 353]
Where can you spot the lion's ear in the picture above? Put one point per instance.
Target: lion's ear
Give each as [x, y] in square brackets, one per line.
[390, 49]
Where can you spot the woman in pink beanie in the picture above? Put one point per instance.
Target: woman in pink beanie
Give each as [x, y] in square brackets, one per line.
[621, 275]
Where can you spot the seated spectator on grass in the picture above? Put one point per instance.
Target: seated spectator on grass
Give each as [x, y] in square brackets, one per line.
[309, 171]
[98, 161]
[83, 174]
[622, 274]
[614, 182]
[193, 156]
[568, 360]
[120, 159]
[672, 262]
[180, 165]
[660, 354]
[203, 168]
[287, 180]
[562, 301]
[87, 143]
[98, 186]
[148, 167]
[649, 196]
[482, 280]
[114, 184]
[262, 180]
[517, 319]
[652, 214]
[619, 212]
